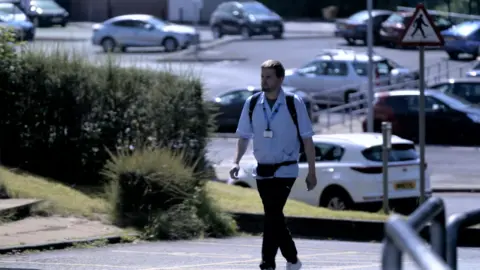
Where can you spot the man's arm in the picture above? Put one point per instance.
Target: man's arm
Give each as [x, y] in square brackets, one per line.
[306, 132]
[242, 145]
[244, 131]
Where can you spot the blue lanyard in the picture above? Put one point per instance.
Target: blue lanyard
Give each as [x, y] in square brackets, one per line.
[271, 117]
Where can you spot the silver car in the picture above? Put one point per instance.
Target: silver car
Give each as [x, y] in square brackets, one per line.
[141, 30]
[333, 75]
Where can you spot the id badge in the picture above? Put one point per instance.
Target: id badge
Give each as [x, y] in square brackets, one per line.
[268, 134]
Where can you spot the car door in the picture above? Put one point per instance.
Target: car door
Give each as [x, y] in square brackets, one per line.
[229, 19]
[336, 81]
[124, 32]
[231, 105]
[436, 122]
[145, 34]
[307, 77]
[327, 157]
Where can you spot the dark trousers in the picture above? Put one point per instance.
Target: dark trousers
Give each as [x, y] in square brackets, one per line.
[274, 194]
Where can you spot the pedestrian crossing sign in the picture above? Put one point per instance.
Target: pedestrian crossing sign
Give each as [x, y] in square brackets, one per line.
[421, 31]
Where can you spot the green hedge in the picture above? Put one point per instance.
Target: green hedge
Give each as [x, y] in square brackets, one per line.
[152, 190]
[59, 114]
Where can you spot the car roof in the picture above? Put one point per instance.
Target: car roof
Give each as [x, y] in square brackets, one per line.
[459, 80]
[363, 140]
[405, 92]
[140, 17]
[346, 55]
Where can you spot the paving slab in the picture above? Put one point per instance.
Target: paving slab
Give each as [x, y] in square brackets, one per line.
[42, 230]
[215, 254]
[8, 204]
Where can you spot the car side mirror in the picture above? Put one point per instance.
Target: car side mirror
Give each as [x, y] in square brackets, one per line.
[237, 13]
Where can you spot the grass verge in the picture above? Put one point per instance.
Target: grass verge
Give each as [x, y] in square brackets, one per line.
[238, 199]
[59, 199]
[64, 200]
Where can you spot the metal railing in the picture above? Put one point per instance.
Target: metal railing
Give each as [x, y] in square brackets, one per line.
[406, 240]
[443, 13]
[400, 237]
[454, 224]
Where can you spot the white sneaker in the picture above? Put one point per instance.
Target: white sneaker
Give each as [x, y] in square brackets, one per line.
[296, 266]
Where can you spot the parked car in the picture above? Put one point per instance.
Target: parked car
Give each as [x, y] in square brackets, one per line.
[228, 106]
[475, 71]
[465, 88]
[47, 13]
[349, 169]
[249, 18]
[463, 38]
[22, 30]
[392, 29]
[333, 75]
[449, 119]
[355, 27]
[141, 30]
[11, 12]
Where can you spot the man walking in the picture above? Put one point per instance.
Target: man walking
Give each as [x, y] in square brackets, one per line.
[280, 127]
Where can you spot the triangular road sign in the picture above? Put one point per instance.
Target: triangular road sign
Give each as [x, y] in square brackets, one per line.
[421, 31]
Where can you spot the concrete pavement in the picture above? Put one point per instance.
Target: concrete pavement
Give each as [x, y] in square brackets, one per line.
[218, 254]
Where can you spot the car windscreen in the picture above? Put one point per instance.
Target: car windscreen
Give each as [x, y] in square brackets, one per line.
[465, 29]
[46, 4]
[452, 100]
[399, 152]
[9, 9]
[255, 8]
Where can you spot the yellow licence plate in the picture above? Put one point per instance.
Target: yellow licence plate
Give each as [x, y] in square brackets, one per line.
[405, 185]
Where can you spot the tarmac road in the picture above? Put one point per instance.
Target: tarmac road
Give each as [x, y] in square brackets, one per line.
[234, 253]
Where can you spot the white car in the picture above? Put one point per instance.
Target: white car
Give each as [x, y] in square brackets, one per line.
[334, 74]
[349, 174]
[141, 30]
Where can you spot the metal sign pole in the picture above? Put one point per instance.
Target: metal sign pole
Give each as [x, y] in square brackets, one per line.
[370, 67]
[421, 122]
[387, 134]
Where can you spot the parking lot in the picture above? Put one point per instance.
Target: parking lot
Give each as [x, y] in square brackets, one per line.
[235, 253]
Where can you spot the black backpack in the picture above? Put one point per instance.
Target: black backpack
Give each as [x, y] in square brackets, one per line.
[291, 108]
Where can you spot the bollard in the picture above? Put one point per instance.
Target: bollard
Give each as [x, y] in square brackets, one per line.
[387, 137]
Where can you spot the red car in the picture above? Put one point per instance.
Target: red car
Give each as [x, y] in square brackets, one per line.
[392, 28]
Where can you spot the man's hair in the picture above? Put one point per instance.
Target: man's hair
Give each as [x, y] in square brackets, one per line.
[275, 65]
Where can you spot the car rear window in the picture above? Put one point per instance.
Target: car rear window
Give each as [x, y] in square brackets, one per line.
[399, 152]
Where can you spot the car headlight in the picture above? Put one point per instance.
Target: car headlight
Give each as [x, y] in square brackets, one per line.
[474, 117]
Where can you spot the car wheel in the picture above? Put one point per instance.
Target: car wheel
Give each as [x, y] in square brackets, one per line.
[217, 32]
[245, 32]
[278, 35]
[336, 198]
[108, 44]
[36, 22]
[350, 41]
[170, 44]
[346, 95]
[453, 55]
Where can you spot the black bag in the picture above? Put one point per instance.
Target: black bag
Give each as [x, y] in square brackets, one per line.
[269, 170]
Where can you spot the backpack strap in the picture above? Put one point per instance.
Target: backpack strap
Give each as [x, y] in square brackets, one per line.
[253, 102]
[293, 113]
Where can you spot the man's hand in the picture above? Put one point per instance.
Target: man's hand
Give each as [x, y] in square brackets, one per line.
[234, 171]
[311, 181]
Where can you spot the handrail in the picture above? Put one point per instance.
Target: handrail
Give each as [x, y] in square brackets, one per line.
[433, 210]
[443, 13]
[405, 239]
[454, 224]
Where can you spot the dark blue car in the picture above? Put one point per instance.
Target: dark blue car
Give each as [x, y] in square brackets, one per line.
[463, 38]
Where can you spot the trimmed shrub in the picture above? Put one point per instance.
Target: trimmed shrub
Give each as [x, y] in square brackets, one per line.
[60, 114]
[152, 190]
